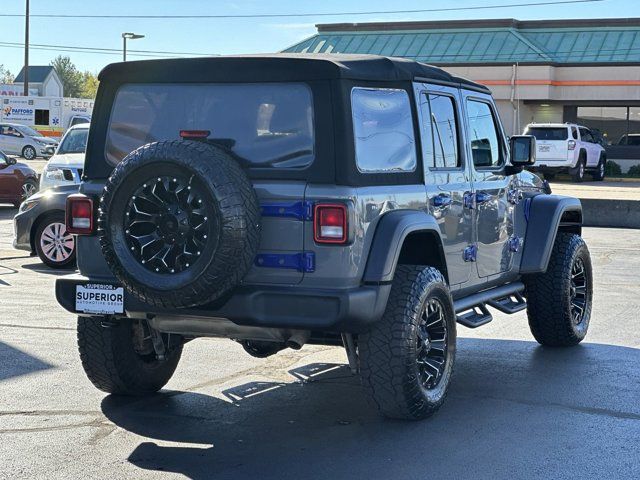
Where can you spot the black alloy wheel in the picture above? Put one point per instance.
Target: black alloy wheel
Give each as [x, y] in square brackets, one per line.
[168, 223]
[432, 344]
[578, 291]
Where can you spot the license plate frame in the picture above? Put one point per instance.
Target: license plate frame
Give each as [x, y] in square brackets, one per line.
[99, 299]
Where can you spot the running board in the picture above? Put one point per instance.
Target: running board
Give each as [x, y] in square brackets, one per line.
[475, 317]
[510, 304]
[472, 311]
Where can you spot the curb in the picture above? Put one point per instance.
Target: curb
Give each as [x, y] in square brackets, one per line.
[610, 213]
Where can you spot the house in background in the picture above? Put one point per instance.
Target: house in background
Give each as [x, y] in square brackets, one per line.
[43, 79]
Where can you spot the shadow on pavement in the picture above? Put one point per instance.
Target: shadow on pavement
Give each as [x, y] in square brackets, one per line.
[14, 363]
[7, 212]
[42, 268]
[515, 410]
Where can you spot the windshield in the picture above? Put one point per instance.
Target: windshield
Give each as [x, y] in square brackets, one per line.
[75, 141]
[27, 131]
[549, 133]
[262, 125]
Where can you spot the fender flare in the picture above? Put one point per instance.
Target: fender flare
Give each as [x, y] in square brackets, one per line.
[388, 239]
[544, 215]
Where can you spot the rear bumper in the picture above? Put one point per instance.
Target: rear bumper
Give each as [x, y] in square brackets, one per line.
[351, 310]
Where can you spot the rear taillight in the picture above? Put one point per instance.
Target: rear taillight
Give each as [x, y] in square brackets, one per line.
[572, 144]
[194, 134]
[79, 215]
[330, 223]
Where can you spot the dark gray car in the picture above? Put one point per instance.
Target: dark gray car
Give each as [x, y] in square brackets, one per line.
[362, 201]
[40, 227]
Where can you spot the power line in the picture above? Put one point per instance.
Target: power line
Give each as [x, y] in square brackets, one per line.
[308, 14]
[98, 50]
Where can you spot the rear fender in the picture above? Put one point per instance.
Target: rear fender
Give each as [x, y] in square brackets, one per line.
[546, 215]
[396, 234]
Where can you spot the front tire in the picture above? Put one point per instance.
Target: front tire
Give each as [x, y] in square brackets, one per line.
[29, 153]
[406, 360]
[559, 300]
[120, 358]
[599, 174]
[55, 247]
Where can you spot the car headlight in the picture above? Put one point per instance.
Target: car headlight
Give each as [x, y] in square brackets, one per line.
[53, 173]
[27, 205]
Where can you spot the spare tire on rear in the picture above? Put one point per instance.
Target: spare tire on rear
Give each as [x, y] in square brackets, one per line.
[179, 223]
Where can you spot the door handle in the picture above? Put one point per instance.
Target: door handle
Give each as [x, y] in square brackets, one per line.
[483, 197]
[441, 200]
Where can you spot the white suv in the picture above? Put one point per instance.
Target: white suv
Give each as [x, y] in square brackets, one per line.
[567, 147]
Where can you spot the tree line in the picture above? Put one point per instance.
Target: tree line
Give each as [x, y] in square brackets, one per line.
[75, 83]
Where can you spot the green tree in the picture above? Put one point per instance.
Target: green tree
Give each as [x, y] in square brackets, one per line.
[89, 85]
[5, 75]
[72, 79]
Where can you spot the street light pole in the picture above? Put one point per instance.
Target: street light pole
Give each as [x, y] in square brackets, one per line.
[128, 36]
[26, 51]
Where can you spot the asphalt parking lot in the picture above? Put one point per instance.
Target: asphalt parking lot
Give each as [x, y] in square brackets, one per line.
[515, 409]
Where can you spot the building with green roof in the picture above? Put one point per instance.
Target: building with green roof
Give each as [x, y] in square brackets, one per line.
[584, 71]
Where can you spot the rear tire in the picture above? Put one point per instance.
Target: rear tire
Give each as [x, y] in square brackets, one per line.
[29, 153]
[577, 173]
[406, 366]
[557, 296]
[119, 359]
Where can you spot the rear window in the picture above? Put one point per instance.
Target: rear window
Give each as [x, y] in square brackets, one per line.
[549, 133]
[264, 125]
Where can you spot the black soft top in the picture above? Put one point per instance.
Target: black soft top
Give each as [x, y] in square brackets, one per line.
[280, 67]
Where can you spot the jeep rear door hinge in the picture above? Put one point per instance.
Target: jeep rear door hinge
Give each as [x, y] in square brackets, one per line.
[470, 253]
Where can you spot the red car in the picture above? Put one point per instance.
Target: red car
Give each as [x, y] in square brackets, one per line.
[17, 181]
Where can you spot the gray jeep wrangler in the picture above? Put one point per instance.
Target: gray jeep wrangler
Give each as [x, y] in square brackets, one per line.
[285, 200]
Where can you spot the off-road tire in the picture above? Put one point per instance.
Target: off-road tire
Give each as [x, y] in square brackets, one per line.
[548, 295]
[29, 152]
[578, 173]
[235, 206]
[388, 352]
[56, 217]
[111, 363]
[599, 173]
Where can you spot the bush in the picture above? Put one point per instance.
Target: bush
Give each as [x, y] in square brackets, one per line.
[612, 169]
[634, 171]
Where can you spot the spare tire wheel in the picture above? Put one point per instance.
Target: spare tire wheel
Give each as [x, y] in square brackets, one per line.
[179, 223]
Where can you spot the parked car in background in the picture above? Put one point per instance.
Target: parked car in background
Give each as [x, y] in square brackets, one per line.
[65, 167]
[17, 181]
[39, 227]
[16, 139]
[567, 148]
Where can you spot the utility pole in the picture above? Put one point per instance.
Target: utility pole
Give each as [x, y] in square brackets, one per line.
[26, 51]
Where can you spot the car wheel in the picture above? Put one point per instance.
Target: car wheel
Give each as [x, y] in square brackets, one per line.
[192, 223]
[29, 187]
[577, 173]
[406, 360]
[559, 300]
[598, 175]
[119, 357]
[55, 247]
[29, 153]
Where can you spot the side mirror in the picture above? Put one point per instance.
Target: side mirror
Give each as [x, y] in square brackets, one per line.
[11, 161]
[523, 150]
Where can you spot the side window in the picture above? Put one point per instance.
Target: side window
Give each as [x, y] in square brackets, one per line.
[584, 134]
[444, 125]
[486, 148]
[574, 133]
[383, 130]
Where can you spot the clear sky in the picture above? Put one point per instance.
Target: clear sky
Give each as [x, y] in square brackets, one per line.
[226, 36]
